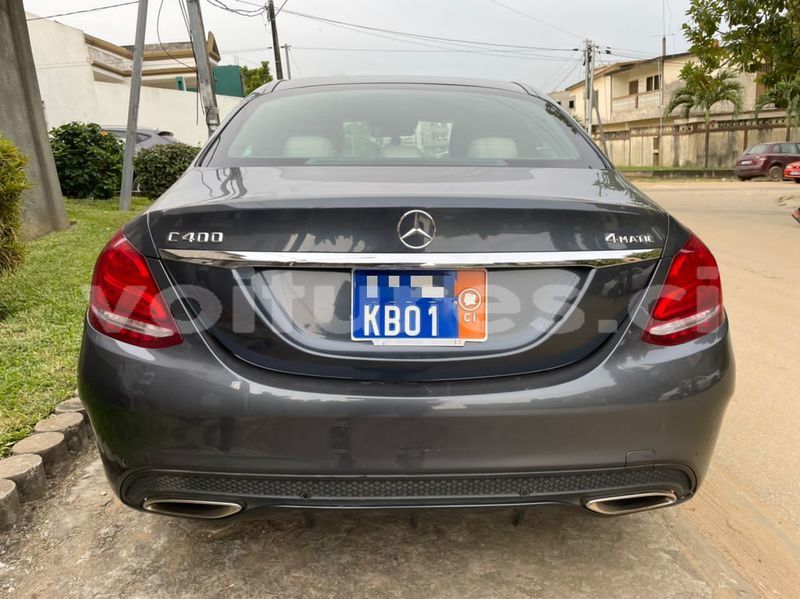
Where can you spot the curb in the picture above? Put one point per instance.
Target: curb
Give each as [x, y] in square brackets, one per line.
[39, 456]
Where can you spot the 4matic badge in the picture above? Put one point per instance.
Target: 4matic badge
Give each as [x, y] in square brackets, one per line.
[641, 238]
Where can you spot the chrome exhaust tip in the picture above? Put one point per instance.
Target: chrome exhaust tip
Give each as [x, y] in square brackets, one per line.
[192, 508]
[628, 504]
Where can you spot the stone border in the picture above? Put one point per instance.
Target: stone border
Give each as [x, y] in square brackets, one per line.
[41, 455]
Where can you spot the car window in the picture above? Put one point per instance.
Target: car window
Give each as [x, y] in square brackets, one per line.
[427, 125]
[785, 149]
[121, 134]
[758, 149]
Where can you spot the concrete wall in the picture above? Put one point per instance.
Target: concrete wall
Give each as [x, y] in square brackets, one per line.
[64, 72]
[684, 145]
[22, 121]
[168, 109]
[71, 93]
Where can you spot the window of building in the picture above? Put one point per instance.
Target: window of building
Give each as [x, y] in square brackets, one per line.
[572, 103]
[653, 83]
[633, 87]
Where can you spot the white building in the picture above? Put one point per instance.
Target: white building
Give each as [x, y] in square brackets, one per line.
[87, 79]
[630, 101]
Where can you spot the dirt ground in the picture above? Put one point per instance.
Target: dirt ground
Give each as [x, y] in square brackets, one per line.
[739, 537]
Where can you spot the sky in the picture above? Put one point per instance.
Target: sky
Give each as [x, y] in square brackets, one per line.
[507, 31]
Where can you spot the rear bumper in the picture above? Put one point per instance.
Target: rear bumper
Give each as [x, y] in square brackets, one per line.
[574, 487]
[190, 421]
[750, 170]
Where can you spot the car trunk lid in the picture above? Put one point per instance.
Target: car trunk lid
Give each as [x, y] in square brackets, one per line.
[564, 266]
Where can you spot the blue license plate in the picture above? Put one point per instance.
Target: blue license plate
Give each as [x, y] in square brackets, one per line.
[419, 307]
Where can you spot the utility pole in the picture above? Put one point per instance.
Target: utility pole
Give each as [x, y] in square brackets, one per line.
[600, 130]
[133, 108]
[588, 85]
[276, 46]
[661, 82]
[288, 64]
[205, 79]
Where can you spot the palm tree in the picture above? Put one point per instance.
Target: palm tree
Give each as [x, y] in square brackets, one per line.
[702, 90]
[784, 94]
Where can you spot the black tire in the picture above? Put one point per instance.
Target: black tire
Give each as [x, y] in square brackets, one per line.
[775, 173]
[797, 180]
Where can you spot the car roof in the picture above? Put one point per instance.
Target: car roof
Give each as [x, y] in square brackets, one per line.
[138, 130]
[291, 84]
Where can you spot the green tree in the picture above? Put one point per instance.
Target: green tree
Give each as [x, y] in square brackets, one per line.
[255, 77]
[784, 94]
[702, 90]
[757, 37]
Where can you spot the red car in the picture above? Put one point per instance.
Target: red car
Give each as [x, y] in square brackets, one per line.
[792, 171]
[766, 160]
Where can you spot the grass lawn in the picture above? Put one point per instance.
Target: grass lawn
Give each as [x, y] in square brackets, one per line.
[42, 306]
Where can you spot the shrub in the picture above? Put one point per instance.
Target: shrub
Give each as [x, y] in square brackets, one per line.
[12, 183]
[158, 167]
[88, 160]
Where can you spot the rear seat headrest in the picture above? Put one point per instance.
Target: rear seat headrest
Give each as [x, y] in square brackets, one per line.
[492, 147]
[308, 146]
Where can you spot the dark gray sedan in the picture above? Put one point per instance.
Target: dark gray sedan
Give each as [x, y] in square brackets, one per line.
[382, 293]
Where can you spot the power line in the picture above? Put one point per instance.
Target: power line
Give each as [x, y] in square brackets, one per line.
[437, 43]
[78, 12]
[185, 16]
[629, 51]
[404, 51]
[538, 20]
[502, 53]
[158, 35]
[570, 62]
[426, 37]
[568, 75]
[242, 12]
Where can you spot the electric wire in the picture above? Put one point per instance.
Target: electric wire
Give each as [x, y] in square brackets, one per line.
[536, 19]
[434, 38]
[79, 12]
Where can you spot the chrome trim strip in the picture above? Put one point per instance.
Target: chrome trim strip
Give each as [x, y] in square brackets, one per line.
[586, 258]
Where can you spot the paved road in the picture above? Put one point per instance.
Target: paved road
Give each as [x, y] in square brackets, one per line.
[739, 537]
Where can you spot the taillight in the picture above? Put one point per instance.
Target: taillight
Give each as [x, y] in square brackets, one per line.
[690, 303]
[126, 303]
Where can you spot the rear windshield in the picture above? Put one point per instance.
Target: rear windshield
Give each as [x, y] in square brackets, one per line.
[759, 149]
[425, 125]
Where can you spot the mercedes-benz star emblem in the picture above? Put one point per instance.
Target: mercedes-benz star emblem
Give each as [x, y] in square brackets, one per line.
[416, 229]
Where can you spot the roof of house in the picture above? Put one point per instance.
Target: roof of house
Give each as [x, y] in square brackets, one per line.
[158, 51]
[616, 67]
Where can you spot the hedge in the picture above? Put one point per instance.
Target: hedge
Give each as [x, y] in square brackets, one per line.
[158, 167]
[88, 160]
[12, 183]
